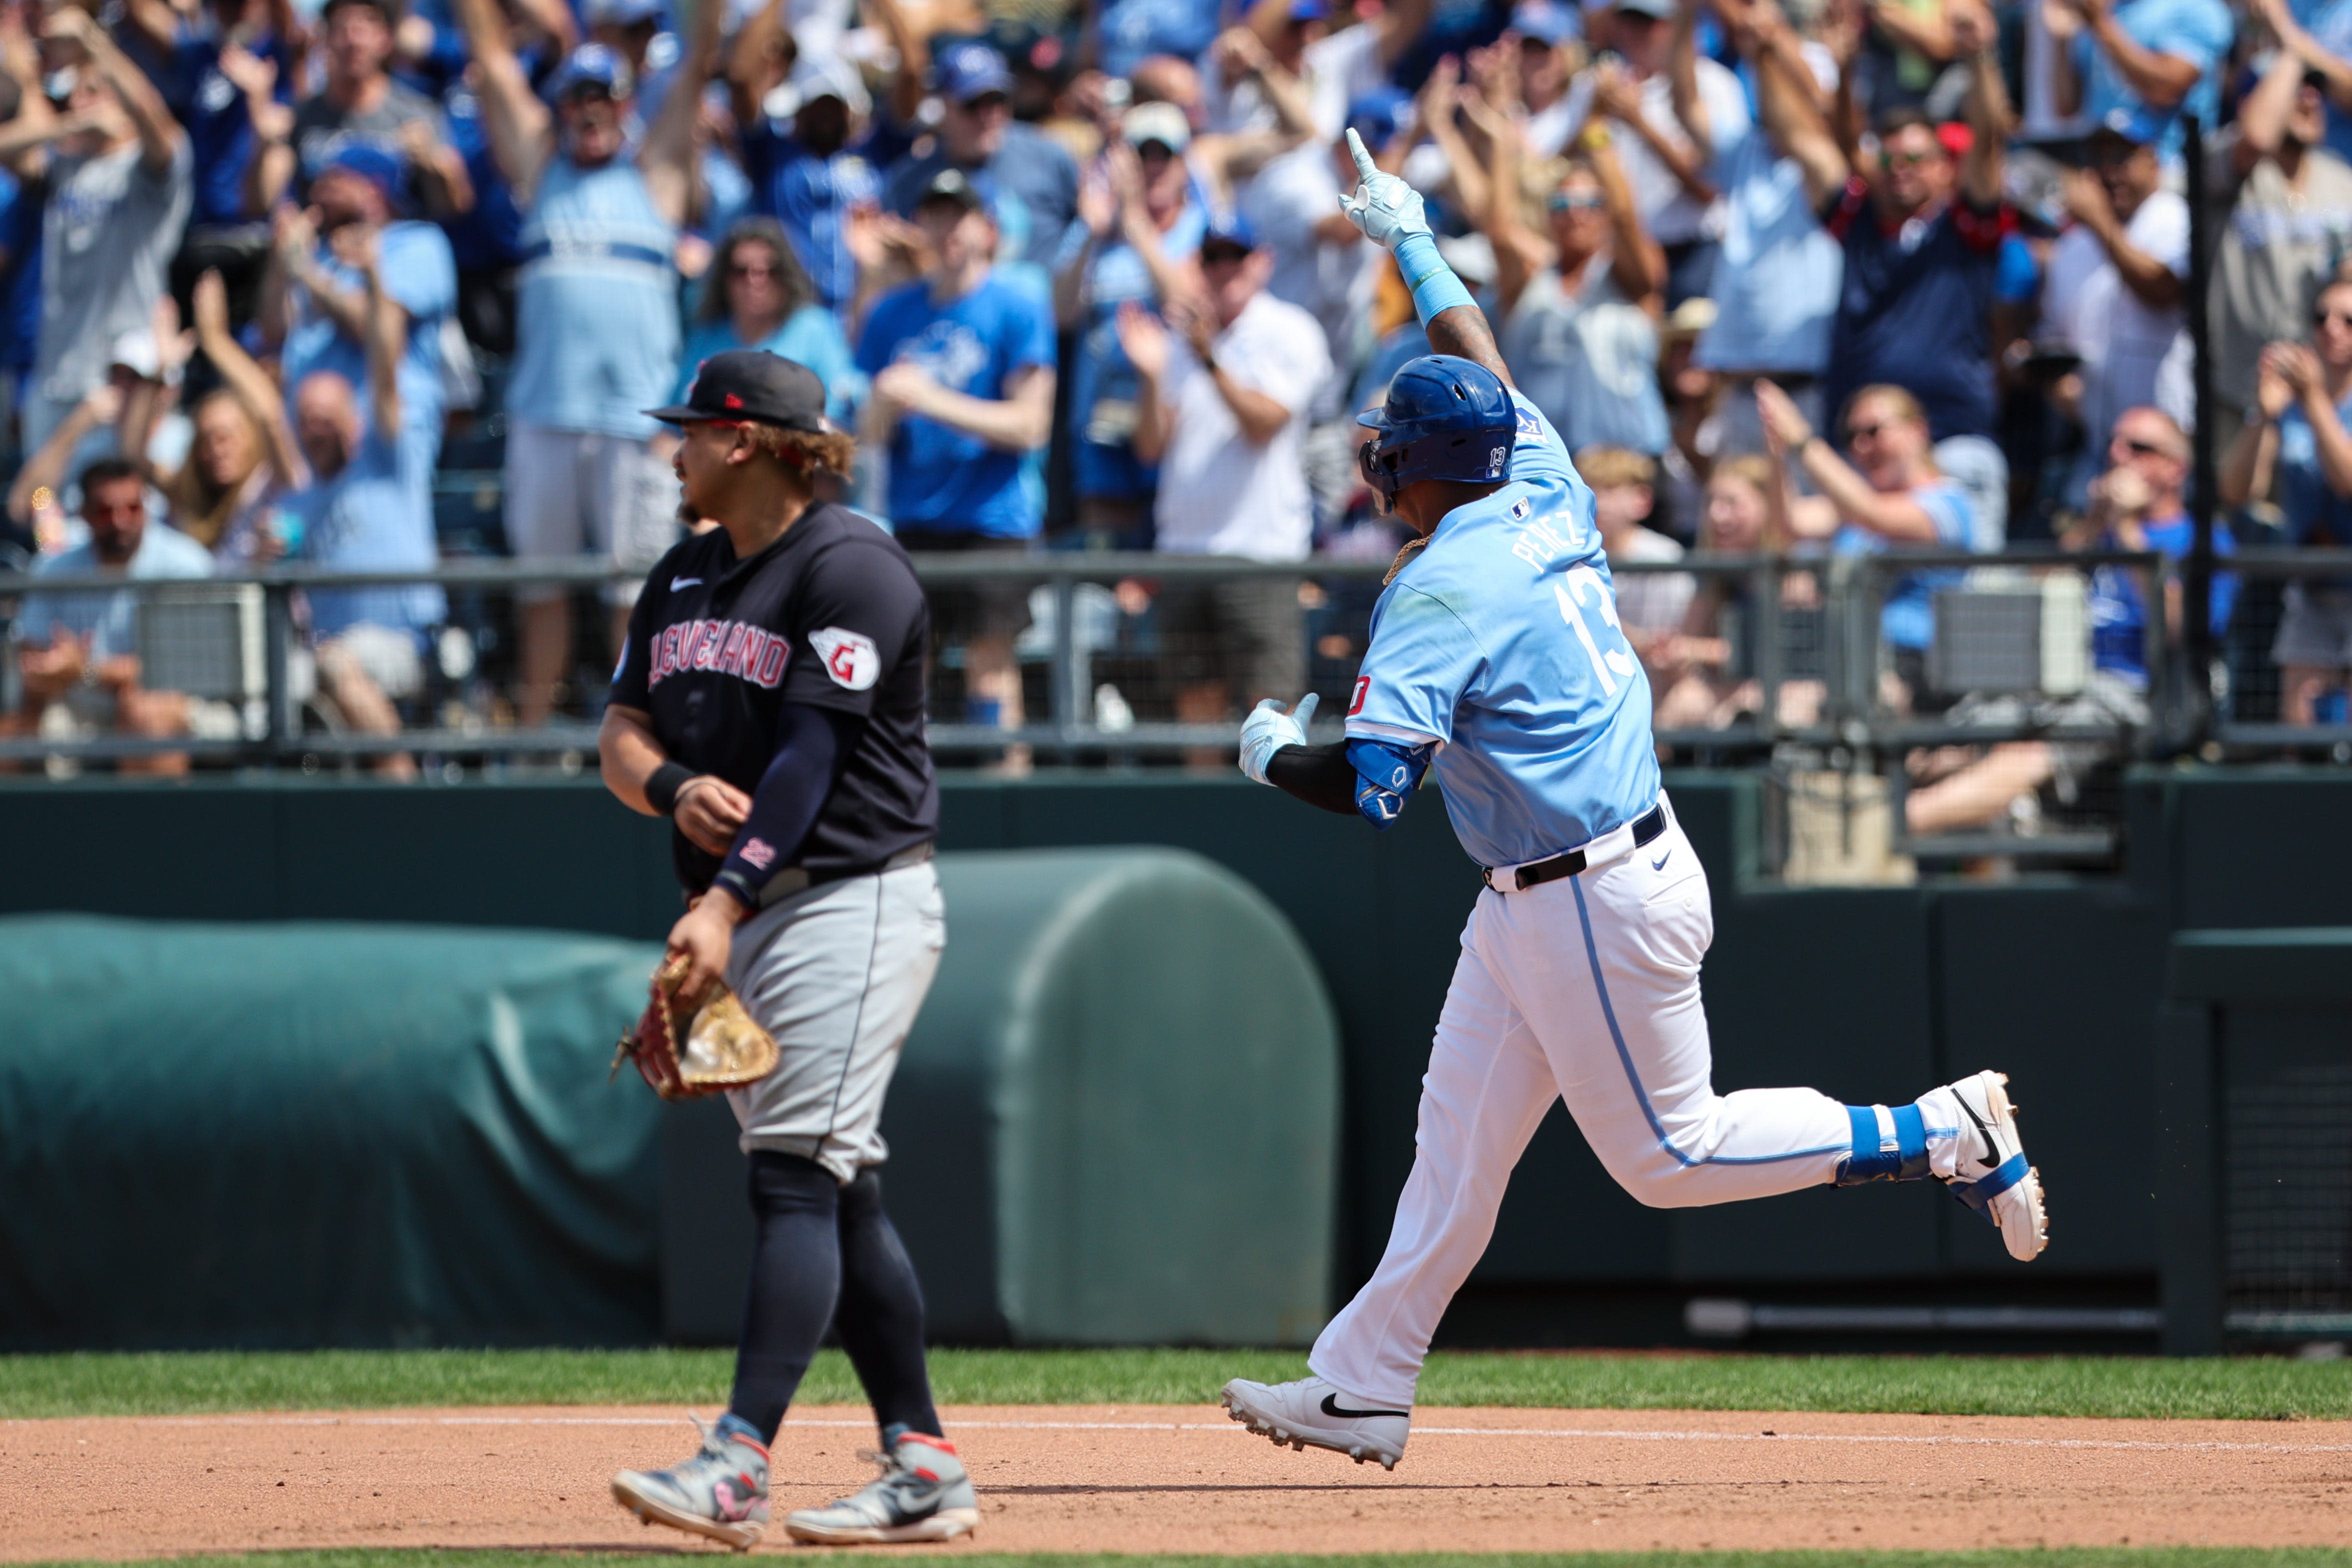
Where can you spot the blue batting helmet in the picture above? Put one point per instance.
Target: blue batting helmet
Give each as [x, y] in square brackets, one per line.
[1446, 418]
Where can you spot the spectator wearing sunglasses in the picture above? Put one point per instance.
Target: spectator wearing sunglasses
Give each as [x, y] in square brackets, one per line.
[761, 298]
[1921, 233]
[2135, 505]
[2118, 276]
[1891, 497]
[2297, 448]
[1579, 302]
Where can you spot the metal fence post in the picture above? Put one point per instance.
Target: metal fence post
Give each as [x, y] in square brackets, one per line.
[281, 730]
[1068, 696]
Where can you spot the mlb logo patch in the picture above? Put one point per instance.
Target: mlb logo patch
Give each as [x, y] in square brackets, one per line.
[1363, 687]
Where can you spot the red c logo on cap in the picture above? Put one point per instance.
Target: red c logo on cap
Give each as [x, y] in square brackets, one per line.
[733, 401]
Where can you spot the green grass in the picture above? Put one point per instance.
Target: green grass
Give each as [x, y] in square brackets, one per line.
[2016, 1557]
[2264, 1388]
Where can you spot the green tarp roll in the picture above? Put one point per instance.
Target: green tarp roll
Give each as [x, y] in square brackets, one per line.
[1156, 1066]
[320, 1134]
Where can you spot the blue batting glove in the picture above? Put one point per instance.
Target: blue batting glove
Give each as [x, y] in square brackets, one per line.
[1384, 207]
[1269, 728]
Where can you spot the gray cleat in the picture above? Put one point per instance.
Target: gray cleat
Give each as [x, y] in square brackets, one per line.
[922, 1494]
[720, 1493]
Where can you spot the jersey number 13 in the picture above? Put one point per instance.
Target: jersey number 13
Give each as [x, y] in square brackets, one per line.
[1571, 594]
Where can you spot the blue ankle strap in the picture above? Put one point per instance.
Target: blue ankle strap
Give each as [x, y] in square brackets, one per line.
[1978, 1195]
[1893, 1150]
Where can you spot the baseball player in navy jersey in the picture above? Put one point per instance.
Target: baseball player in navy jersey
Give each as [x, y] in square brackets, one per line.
[1497, 665]
[770, 701]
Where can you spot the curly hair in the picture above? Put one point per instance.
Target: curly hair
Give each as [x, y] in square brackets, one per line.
[807, 450]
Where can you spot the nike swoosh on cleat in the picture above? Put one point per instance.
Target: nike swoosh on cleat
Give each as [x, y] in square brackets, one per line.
[1332, 1406]
[1991, 1161]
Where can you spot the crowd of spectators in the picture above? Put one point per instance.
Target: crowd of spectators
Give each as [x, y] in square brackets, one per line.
[1817, 275]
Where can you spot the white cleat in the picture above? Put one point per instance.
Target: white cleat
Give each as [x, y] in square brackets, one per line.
[1311, 1412]
[1993, 1178]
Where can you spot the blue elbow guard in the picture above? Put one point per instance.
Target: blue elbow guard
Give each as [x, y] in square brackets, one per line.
[1386, 775]
[1435, 289]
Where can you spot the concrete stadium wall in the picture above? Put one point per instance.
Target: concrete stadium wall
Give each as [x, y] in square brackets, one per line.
[1866, 993]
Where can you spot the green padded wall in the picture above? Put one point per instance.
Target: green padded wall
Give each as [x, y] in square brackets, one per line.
[319, 1135]
[1115, 1122]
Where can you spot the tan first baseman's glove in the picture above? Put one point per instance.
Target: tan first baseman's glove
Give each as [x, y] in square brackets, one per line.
[685, 1051]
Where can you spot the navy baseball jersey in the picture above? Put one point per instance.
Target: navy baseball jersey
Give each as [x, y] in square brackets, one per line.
[829, 615]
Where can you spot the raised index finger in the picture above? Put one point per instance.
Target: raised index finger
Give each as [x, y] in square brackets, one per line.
[1365, 167]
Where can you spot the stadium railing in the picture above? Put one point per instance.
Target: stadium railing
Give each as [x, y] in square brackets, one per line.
[1123, 653]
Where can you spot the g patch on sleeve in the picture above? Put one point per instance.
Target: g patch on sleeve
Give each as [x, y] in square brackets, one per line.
[850, 657]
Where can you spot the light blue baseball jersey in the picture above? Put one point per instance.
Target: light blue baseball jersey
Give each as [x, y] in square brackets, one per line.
[1499, 642]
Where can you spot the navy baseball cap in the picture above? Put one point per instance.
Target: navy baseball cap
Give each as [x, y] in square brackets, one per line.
[590, 65]
[1229, 228]
[751, 384]
[971, 70]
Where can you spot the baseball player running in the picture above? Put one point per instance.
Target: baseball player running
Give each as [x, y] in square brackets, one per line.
[770, 701]
[1497, 664]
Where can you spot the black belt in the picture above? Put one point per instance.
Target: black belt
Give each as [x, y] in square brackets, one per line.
[1536, 872]
[795, 879]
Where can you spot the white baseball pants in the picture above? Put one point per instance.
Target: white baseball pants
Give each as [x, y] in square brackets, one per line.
[1583, 989]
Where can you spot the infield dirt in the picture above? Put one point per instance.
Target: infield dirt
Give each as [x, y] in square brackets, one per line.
[1147, 1478]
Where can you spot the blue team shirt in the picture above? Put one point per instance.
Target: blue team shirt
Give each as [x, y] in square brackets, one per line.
[2199, 31]
[488, 235]
[1907, 620]
[940, 478]
[2119, 611]
[220, 129]
[1915, 308]
[1500, 640]
[422, 278]
[376, 515]
[813, 198]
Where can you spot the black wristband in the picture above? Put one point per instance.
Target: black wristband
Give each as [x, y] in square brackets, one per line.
[661, 789]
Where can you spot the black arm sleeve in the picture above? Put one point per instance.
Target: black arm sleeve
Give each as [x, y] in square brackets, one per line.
[812, 745]
[1319, 775]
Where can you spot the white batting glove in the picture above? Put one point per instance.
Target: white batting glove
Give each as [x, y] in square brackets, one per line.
[1384, 206]
[1269, 728]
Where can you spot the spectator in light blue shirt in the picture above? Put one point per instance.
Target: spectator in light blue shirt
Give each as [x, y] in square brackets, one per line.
[1890, 498]
[2162, 58]
[368, 507]
[82, 649]
[315, 306]
[757, 296]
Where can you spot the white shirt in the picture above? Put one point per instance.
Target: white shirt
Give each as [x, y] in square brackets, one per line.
[2122, 339]
[1670, 213]
[1219, 493]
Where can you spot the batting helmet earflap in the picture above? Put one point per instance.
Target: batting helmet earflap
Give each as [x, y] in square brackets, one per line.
[1446, 418]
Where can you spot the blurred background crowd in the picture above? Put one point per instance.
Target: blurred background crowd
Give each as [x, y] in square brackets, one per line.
[372, 285]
